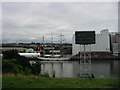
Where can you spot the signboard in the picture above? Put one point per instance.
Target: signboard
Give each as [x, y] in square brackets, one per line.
[85, 37]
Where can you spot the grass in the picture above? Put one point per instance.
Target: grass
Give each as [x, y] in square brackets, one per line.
[21, 81]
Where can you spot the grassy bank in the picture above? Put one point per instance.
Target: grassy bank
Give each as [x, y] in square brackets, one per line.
[42, 82]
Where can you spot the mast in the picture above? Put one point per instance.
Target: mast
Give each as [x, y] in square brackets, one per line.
[42, 49]
[61, 48]
[43, 42]
[52, 43]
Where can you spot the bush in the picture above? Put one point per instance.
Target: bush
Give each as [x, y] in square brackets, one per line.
[53, 73]
[27, 71]
[9, 66]
[36, 68]
[11, 54]
[45, 74]
[14, 63]
[23, 61]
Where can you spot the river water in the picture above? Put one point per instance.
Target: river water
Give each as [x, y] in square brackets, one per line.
[99, 68]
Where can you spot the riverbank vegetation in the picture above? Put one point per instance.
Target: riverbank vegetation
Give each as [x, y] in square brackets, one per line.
[21, 81]
[12, 62]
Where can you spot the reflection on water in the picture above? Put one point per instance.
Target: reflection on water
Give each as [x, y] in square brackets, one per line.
[105, 68]
[100, 68]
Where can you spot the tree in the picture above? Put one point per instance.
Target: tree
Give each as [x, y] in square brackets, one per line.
[14, 63]
[11, 54]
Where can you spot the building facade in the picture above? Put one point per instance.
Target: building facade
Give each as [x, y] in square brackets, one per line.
[100, 48]
[115, 43]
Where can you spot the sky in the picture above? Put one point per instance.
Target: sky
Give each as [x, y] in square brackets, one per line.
[30, 21]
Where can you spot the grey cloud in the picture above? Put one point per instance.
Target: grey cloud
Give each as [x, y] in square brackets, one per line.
[30, 21]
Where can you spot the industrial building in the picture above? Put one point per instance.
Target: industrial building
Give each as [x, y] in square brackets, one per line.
[102, 46]
[115, 43]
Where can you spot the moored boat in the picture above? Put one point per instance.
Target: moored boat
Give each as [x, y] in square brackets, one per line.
[54, 58]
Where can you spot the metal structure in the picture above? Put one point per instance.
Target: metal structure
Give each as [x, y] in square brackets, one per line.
[85, 39]
[85, 61]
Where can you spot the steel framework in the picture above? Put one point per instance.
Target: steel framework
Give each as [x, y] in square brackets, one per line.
[85, 61]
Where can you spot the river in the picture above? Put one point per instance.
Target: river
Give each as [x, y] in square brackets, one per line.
[71, 69]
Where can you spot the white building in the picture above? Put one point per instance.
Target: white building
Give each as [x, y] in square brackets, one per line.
[102, 43]
[115, 41]
[115, 49]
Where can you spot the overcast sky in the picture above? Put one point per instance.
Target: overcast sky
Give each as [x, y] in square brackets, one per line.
[30, 21]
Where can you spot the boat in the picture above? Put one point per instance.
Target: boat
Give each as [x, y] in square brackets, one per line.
[30, 55]
[52, 57]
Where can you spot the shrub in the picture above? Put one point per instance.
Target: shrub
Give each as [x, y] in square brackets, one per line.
[9, 66]
[14, 63]
[10, 54]
[45, 74]
[53, 73]
[36, 68]
[27, 71]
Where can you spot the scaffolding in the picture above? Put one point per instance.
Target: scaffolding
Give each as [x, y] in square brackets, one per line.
[85, 61]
